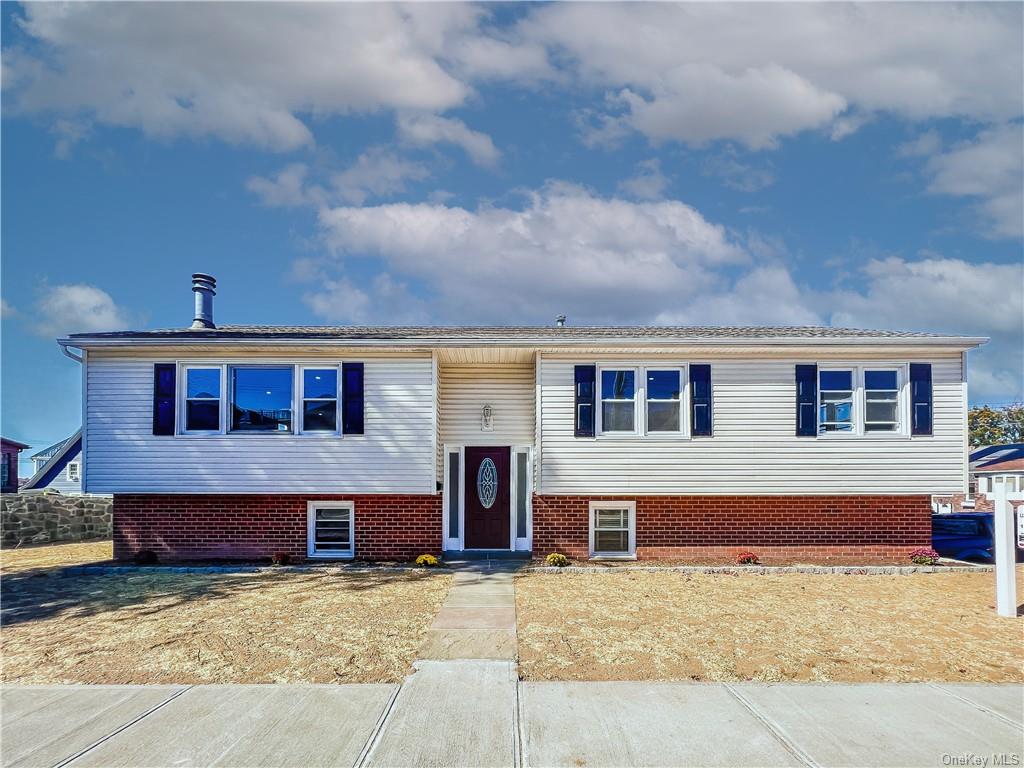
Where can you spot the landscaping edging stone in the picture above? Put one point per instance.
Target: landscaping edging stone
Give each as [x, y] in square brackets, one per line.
[767, 570]
[142, 570]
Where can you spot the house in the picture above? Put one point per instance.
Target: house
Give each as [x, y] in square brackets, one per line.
[58, 467]
[379, 443]
[9, 451]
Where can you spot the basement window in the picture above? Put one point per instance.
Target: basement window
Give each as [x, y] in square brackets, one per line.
[613, 529]
[74, 473]
[330, 529]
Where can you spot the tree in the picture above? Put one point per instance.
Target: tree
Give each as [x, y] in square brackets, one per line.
[995, 426]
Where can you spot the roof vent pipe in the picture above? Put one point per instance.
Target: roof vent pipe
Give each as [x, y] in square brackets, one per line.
[560, 321]
[203, 286]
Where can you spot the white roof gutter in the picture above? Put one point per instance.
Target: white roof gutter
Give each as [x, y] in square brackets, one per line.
[960, 342]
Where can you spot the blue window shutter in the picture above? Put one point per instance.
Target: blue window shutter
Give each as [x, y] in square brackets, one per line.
[586, 392]
[352, 398]
[806, 400]
[920, 398]
[164, 381]
[700, 399]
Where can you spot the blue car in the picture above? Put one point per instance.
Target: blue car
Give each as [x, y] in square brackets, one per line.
[963, 536]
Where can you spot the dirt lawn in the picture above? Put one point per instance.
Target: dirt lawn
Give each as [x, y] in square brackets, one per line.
[673, 626]
[299, 626]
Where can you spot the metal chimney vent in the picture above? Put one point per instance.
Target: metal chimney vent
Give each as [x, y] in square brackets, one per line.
[204, 287]
[560, 321]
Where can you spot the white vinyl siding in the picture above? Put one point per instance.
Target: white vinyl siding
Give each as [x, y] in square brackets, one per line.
[463, 391]
[393, 456]
[754, 449]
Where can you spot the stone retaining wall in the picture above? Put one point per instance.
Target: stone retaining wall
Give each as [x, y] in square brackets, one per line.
[42, 518]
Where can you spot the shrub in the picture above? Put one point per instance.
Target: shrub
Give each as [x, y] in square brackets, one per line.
[924, 556]
[281, 558]
[747, 558]
[427, 561]
[557, 560]
[146, 557]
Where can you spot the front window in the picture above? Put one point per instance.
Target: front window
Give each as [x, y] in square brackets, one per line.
[612, 529]
[320, 400]
[835, 401]
[881, 401]
[261, 399]
[74, 471]
[664, 390]
[202, 399]
[618, 400]
[330, 529]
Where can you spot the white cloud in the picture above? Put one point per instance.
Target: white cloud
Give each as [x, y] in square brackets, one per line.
[990, 169]
[566, 250]
[248, 73]
[6, 310]
[755, 72]
[385, 301]
[68, 133]
[424, 130]
[376, 173]
[78, 308]
[649, 183]
[287, 189]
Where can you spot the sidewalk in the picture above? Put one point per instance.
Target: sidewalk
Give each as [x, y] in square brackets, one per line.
[475, 713]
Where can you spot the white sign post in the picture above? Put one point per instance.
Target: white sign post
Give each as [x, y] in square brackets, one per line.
[1005, 553]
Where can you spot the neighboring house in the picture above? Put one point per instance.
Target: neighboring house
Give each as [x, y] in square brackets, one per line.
[988, 466]
[42, 457]
[9, 451]
[61, 467]
[341, 442]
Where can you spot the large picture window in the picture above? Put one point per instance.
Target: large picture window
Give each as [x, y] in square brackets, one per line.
[202, 399]
[261, 399]
[618, 400]
[330, 529]
[320, 400]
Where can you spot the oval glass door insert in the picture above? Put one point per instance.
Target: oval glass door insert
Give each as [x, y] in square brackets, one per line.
[487, 483]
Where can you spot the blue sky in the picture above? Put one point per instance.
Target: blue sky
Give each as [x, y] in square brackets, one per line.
[668, 164]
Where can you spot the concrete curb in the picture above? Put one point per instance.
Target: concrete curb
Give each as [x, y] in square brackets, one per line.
[768, 570]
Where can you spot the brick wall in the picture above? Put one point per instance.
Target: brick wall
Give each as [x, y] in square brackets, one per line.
[187, 527]
[835, 529]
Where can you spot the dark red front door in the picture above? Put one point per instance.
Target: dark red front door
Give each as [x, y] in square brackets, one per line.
[487, 498]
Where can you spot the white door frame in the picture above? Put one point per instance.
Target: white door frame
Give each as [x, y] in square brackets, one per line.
[457, 543]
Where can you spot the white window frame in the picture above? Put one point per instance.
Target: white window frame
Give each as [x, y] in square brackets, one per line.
[300, 409]
[184, 368]
[229, 401]
[684, 399]
[630, 507]
[637, 387]
[860, 400]
[78, 472]
[311, 508]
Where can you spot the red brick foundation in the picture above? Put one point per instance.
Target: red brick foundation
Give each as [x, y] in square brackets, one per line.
[203, 527]
[818, 529]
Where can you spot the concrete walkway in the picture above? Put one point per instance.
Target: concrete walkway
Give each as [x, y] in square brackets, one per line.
[475, 713]
[478, 618]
